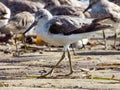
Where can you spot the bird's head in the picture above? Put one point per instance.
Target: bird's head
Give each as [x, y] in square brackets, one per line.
[91, 4]
[4, 12]
[4, 15]
[3, 18]
[41, 17]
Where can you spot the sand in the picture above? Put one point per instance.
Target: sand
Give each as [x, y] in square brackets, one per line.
[19, 73]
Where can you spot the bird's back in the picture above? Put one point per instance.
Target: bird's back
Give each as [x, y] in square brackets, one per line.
[69, 25]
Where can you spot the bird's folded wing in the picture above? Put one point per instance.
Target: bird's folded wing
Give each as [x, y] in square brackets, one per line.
[63, 28]
[66, 28]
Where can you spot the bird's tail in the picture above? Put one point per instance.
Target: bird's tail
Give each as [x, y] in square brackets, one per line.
[98, 24]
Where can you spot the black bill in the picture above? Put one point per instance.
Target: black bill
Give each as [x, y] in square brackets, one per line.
[33, 24]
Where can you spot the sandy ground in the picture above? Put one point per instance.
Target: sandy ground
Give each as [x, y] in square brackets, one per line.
[19, 73]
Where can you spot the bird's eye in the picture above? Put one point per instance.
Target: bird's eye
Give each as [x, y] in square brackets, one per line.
[41, 16]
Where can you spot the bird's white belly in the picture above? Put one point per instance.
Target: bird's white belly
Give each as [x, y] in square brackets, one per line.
[69, 39]
[60, 39]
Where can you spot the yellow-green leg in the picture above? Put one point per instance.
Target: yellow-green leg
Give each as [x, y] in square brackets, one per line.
[105, 41]
[16, 45]
[63, 56]
[54, 66]
[73, 49]
[115, 38]
[70, 63]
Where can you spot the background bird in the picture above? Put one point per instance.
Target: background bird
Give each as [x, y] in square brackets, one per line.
[5, 14]
[18, 24]
[18, 6]
[103, 8]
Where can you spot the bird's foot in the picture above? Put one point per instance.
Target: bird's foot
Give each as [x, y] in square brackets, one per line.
[49, 75]
[69, 73]
[64, 76]
[106, 47]
[101, 43]
[114, 47]
[16, 53]
[46, 75]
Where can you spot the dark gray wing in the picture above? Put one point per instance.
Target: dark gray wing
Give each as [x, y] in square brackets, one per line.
[65, 27]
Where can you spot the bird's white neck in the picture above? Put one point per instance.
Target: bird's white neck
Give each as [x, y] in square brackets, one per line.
[50, 16]
[44, 23]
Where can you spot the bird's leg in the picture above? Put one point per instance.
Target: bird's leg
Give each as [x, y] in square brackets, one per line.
[63, 56]
[49, 47]
[17, 50]
[104, 37]
[71, 70]
[74, 53]
[115, 38]
[24, 42]
[83, 45]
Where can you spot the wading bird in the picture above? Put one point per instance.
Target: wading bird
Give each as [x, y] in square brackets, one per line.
[59, 31]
